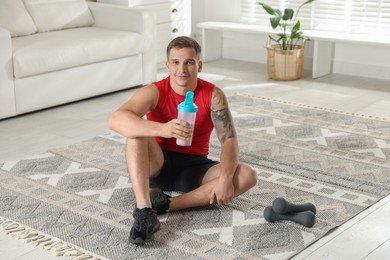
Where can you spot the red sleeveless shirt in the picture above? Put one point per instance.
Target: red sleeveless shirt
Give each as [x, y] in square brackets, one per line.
[166, 110]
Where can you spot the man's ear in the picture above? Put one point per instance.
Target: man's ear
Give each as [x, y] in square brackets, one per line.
[167, 64]
[200, 66]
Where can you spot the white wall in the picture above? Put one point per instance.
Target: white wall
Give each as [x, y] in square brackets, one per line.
[213, 10]
[251, 47]
[366, 61]
[350, 59]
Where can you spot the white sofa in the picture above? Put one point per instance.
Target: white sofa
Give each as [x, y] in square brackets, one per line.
[54, 52]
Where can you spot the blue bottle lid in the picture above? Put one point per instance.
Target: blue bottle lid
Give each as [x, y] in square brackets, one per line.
[188, 104]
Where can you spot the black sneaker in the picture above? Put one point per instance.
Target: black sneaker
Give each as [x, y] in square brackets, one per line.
[145, 225]
[160, 201]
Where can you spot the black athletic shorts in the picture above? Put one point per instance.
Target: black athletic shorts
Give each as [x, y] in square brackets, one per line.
[181, 172]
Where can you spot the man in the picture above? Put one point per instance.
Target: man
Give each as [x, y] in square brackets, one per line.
[155, 161]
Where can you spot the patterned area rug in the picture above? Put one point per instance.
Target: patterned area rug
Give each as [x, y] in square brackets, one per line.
[78, 200]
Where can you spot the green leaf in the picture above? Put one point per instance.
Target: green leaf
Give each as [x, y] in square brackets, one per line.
[278, 13]
[275, 21]
[297, 26]
[288, 14]
[308, 2]
[296, 35]
[282, 37]
[288, 24]
[268, 8]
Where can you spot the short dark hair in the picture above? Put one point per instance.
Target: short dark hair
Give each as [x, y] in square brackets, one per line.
[184, 42]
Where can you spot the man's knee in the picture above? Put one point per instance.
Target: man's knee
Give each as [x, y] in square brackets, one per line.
[139, 141]
[248, 175]
[145, 150]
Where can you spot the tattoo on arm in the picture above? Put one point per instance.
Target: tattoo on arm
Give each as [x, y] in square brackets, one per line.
[221, 116]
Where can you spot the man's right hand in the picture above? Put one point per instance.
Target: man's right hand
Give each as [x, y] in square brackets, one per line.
[176, 128]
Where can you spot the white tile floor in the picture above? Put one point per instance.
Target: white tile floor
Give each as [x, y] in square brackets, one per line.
[367, 236]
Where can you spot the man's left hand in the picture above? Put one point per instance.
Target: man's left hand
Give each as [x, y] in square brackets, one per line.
[223, 192]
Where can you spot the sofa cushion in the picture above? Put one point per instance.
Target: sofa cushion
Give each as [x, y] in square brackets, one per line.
[57, 50]
[15, 18]
[50, 15]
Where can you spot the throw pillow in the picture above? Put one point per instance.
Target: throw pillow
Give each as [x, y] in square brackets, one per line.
[15, 18]
[50, 15]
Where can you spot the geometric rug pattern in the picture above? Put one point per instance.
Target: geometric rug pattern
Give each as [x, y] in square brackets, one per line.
[80, 195]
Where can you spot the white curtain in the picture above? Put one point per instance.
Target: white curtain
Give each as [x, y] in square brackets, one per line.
[347, 16]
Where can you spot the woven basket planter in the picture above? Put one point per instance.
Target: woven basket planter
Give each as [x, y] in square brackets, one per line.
[285, 64]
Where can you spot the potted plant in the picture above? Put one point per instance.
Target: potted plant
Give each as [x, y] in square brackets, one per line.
[285, 56]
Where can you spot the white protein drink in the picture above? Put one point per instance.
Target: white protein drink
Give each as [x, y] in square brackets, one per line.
[187, 112]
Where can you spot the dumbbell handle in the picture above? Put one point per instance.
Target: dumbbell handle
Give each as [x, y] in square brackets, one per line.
[282, 206]
[305, 218]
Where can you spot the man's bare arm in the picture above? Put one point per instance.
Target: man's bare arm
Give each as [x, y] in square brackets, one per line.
[128, 119]
[229, 158]
[224, 127]
[221, 116]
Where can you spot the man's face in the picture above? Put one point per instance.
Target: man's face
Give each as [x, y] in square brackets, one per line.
[183, 66]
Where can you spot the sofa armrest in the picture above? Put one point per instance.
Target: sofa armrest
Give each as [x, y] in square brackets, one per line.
[123, 18]
[7, 90]
[130, 19]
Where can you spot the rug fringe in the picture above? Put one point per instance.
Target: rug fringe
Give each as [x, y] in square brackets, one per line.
[49, 243]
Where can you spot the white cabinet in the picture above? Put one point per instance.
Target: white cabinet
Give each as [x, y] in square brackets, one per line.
[173, 18]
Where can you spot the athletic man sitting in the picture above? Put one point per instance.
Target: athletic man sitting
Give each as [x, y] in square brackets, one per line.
[155, 161]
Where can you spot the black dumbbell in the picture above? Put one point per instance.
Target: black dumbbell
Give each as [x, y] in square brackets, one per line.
[282, 206]
[306, 218]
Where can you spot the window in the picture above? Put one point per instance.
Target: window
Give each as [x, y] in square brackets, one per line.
[348, 16]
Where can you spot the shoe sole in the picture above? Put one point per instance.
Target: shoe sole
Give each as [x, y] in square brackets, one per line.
[139, 240]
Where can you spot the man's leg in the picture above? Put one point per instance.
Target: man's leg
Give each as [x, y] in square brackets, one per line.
[144, 158]
[244, 178]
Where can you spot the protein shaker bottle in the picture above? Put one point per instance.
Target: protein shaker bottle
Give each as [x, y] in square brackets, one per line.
[187, 112]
